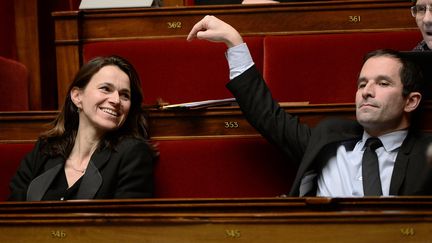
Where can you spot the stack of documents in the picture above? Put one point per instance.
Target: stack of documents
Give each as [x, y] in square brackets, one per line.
[200, 104]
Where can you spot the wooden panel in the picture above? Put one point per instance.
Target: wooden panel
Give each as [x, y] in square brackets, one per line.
[261, 19]
[391, 219]
[68, 64]
[221, 121]
[67, 53]
[216, 121]
[167, 3]
[27, 38]
[24, 126]
[230, 121]
[286, 18]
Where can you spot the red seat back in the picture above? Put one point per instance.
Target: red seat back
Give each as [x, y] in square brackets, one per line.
[176, 70]
[323, 68]
[221, 167]
[14, 86]
[11, 155]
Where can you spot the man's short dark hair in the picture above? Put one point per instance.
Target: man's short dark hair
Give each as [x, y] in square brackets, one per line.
[410, 73]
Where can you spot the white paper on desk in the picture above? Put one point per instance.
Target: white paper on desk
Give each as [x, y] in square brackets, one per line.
[98, 4]
[199, 104]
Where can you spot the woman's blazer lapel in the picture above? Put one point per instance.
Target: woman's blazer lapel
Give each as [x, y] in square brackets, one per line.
[41, 183]
[92, 179]
[90, 184]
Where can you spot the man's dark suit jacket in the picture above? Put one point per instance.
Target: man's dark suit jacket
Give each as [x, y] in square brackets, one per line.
[125, 172]
[308, 148]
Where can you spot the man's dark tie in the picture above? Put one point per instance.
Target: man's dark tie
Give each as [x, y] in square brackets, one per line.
[370, 168]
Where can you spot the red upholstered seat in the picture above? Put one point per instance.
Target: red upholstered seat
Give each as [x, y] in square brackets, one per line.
[11, 155]
[174, 69]
[323, 68]
[221, 167]
[14, 86]
[320, 68]
[197, 168]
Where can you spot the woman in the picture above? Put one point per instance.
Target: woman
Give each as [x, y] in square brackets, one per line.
[98, 147]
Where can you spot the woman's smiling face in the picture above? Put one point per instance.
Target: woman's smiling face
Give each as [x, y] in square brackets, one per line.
[105, 101]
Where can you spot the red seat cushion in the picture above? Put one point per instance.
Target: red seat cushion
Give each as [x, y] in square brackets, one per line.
[323, 68]
[14, 85]
[197, 168]
[221, 167]
[11, 155]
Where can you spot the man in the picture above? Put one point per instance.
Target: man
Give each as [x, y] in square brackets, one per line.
[330, 156]
[422, 11]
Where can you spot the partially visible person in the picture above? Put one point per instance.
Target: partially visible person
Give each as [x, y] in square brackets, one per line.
[258, 1]
[331, 158]
[99, 145]
[422, 12]
[218, 2]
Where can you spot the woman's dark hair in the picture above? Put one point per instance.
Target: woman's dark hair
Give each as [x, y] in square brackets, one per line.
[61, 138]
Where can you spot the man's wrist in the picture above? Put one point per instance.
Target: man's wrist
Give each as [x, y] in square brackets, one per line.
[239, 59]
[234, 40]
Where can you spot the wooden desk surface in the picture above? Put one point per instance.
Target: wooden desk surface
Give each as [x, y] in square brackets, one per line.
[390, 219]
[210, 122]
[184, 124]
